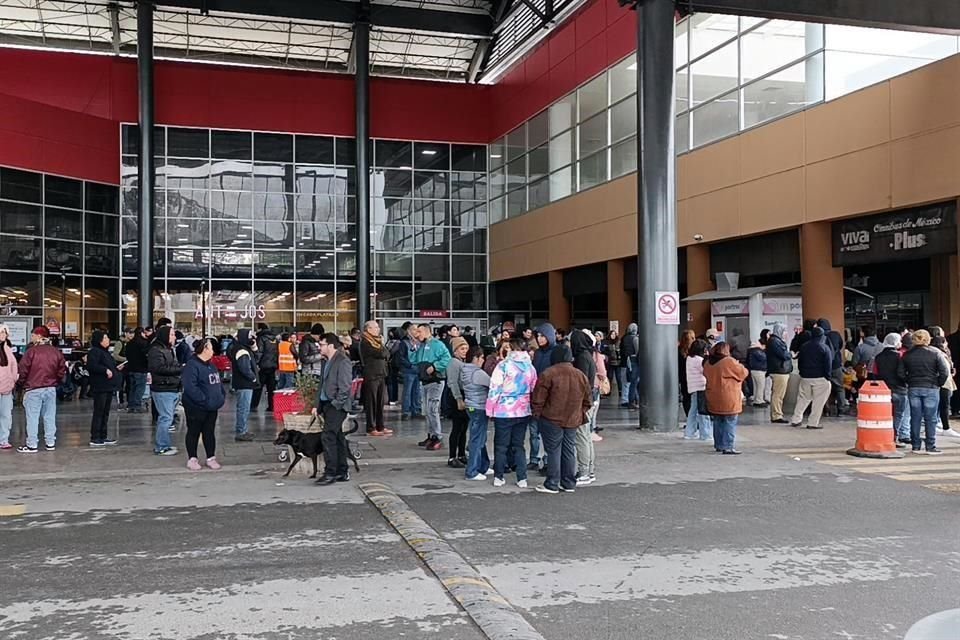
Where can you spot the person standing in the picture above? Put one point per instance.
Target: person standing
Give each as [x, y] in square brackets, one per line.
[40, 371]
[546, 341]
[8, 380]
[757, 364]
[949, 387]
[393, 373]
[866, 351]
[105, 380]
[816, 370]
[410, 404]
[835, 342]
[476, 387]
[245, 378]
[687, 338]
[333, 400]
[431, 360]
[612, 349]
[629, 351]
[581, 343]
[458, 414]
[779, 368]
[699, 425]
[375, 359]
[725, 376]
[119, 351]
[136, 354]
[560, 401]
[203, 397]
[953, 344]
[887, 368]
[310, 359]
[267, 363]
[287, 361]
[165, 372]
[508, 403]
[925, 371]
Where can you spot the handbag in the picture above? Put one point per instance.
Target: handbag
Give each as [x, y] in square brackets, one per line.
[427, 378]
[604, 387]
[702, 408]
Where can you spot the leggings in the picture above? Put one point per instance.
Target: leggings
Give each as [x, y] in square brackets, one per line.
[458, 435]
[944, 408]
[203, 423]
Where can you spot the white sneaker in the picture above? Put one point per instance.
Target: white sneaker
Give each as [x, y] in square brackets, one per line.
[585, 481]
[596, 437]
[479, 476]
[522, 484]
[950, 433]
[490, 471]
[499, 482]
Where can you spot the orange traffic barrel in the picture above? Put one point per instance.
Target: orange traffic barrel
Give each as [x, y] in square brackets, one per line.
[875, 436]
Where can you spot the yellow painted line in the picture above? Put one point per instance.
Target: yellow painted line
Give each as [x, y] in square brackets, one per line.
[11, 510]
[925, 477]
[812, 450]
[901, 468]
[452, 582]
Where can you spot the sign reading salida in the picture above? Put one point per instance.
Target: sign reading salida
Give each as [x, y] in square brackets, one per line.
[901, 235]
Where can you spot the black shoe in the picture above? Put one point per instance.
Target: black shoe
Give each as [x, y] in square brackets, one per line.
[731, 452]
[905, 441]
[463, 460]
[796, 424]
[344, 477]
[533, 466]
[327, 480]
[454, 463]
[245, 437]
[624, 405]
[543, 471]
[425, 441]
[814, 426]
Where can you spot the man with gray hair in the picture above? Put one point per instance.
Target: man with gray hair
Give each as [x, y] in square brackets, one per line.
[374, 357]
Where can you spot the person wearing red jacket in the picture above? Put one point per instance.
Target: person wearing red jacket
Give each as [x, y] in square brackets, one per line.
[41, 370]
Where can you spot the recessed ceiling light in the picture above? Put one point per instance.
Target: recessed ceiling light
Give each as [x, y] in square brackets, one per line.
[496, 156]
[429, 152]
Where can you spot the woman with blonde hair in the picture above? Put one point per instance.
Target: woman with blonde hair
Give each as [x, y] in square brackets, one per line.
[8, 380]
[925, 371]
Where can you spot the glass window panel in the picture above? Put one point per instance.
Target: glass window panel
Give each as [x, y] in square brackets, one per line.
[623, 79]
[272, 147]
[431, 239]
[101, 228]
[715, 120]
[517, 174]
[101, 260]
[187, 204]
[314, 149]
[392, 211]
[431, 212]
[184, 262]
[562, 150]
[393, 238]
[849, 72]
[747, 22]
[683, 89]
[714, 74]
[516, 143]
[394, 296]
[431, 155]
[469, 214]
[469, 240]
[130, 179]
[538, 193]
[516, 203]
[775, 44]
[498, 182]
[231, 233]
[623, 158]
[274, 235]
[469, 268]
[468, 157]
[561, 114]
[432, 296]
[465, 185]
[623, 119]
[783, 92]
[561, 183]
[188, 143]
[21, 253]
[63, 192]
[393, 153]
[498, 153]
[928, 46]
[315, 295]
[186, 173]
[25, 186]
[430, 184]
[346, 266]
[593, 170]
[434, 268]
[101, 293]
[498, 209]
[537, 130]
[709, 31]
[316, 208]
[231, 175]
[592, 97]
[63, 223]
[231, 145]
[59, 255]
[101, 197]
[231, 264]
[273, 206]
[130, 140]
[231, 204]
[22, 218]
[681, 48]
[593, 135]
[320, 179]
[394, 266]
[392, 183]
[346, 151]
[682, 133]
[538, 163]
[275, 264]
[273, 177]
[316, 235]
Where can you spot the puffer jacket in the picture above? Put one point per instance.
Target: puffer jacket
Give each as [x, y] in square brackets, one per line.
[924, 368]
[269, 350]
[8, 374]
[510, 387]
[165, 370]
[695, 378]
[246, 373]
[476, 385]
[99, 361]
[310, 359]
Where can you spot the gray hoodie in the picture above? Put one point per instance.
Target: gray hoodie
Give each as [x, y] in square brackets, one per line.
[866, 351]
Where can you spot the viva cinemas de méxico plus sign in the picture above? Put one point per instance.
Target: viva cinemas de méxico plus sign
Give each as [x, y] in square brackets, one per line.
[900, 235]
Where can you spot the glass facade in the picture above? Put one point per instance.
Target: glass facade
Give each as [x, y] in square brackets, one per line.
[733, 73]
[266, 223]
[59, 250]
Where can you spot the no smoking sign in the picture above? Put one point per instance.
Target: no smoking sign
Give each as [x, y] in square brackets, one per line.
[668, 307]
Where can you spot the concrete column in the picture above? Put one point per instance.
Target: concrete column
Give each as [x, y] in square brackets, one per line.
[619, 302]
[559, 305]
[698, 281]
[822, 282]
[945, 292]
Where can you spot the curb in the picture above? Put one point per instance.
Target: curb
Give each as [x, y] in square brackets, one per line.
[495, 617]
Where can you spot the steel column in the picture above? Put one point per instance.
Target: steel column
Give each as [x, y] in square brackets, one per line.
[656, 213]
[361, 41]
[146, 172]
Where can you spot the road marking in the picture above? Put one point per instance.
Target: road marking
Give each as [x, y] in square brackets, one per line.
[925, 477]
[12, 510]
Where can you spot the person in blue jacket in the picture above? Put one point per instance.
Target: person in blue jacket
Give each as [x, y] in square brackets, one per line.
[431, 359]
[816, 369]
[203, 397]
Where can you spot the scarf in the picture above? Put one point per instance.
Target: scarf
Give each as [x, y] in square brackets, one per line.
[375, 341]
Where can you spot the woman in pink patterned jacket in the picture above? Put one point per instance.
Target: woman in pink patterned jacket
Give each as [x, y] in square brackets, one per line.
[508, 403]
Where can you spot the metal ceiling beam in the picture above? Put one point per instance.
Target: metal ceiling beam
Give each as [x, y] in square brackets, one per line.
[936, 16]
[344, 12]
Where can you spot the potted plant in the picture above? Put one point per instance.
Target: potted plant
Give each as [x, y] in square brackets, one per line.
[307, 388]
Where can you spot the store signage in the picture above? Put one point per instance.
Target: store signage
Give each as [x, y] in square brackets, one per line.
[730, 307]
[901, 235]
[786, 306]
[53, 327]
[434, 313]
[231, 312]
[18, 330]
[668, 307]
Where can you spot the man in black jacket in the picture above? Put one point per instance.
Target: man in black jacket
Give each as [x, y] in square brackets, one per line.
[925, 370]
[816, 367]
[269, 360]
[165, 372]
[887, 367]
[835, 342]
[246, 378]
[136, 368]
[332, 403]
[779, 368]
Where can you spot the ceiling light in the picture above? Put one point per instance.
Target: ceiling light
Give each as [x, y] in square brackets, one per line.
[183, 226]
[496, 156]
[429, 152]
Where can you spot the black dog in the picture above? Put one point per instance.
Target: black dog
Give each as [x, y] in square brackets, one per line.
[308, 445]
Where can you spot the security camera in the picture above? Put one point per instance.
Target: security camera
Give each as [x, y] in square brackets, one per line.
[698, 237]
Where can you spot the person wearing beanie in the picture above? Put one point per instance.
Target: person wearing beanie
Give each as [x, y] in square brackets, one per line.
[203, 397]
[41, 370]
[886, 367]
[105, 380]
[245, 378]
[165, 371]
[457, 412]
[561, 400]
[374, 358]
[268, 361]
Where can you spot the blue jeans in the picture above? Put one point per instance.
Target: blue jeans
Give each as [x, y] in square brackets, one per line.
[628, 392]
[724, 432]
[620, 375]
[244, 397]
[477, 461]
[411, 394]
[901, 416]
[286, 380]
[924, 404]
[534, 429]
[39, 403]
[561, 448]
[166, 404]
[507, 433]
[138, 387]
[6, 416]
[696, 422]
